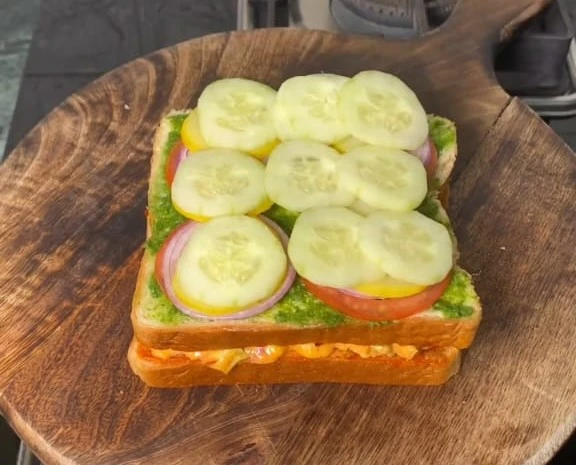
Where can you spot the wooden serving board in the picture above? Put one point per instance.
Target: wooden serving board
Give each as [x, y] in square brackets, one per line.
[72, 200]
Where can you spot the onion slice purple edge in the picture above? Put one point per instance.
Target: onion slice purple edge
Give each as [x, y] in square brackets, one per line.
[173, 251]
[182, 154]
[424, 152]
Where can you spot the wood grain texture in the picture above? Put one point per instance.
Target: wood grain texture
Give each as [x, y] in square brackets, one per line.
[72, 199]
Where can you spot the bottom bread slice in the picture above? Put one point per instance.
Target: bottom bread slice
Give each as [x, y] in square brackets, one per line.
[427, 367]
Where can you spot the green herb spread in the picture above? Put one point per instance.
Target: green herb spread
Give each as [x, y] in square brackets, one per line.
[301, 308]
[459, 299]
[282, 217]
[443, 134]
[162, 311]
[430, 207]
[165, 217]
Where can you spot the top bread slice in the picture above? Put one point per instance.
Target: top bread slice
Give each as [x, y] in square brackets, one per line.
[299, 317]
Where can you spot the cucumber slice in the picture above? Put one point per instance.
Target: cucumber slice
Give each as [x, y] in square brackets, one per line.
[323, 248]
[230, 262]
[381, 109]
[302, 174]
[408, 246]
[362, 208]
[348, 144]
[236, 113]
[384, 178]
[217, 182]
[307, 108]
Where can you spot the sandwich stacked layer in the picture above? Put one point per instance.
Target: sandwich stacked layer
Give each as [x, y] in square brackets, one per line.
[300, 235]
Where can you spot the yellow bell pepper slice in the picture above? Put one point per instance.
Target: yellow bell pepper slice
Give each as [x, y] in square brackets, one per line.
[389, 288]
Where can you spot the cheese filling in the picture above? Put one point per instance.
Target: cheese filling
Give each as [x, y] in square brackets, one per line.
[226, 359]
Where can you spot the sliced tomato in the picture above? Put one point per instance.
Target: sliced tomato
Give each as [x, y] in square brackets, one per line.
[176, 156]
[379, 309]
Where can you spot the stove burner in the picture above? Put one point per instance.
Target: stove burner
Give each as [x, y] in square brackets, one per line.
[439, 10]
[383, 11]
[390, 18]
[404, 19]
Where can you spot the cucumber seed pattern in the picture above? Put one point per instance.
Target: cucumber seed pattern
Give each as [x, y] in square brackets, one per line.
[321, 106]
[232, 258]
[385, 110]
[387, 173]
[335, 245]
[312, 174]
[219, 180]
[409, 242]
[242, 111]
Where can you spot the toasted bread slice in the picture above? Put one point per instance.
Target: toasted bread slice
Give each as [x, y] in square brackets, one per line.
[428, 367]
[299, 317]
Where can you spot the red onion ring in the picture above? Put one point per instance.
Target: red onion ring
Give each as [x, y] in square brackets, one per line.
[183, 152]
[171, 252]
[357, 294]
[427, 153]
[424, 152]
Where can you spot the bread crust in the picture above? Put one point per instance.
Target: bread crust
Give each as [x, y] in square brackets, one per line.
[431, 367]
[433, 332]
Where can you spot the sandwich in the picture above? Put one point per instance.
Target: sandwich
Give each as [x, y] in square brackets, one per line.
[300, 235]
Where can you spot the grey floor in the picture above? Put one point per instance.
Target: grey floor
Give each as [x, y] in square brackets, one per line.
[17, 22]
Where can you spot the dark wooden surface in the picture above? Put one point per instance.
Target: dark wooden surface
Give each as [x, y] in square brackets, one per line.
[72, 198]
